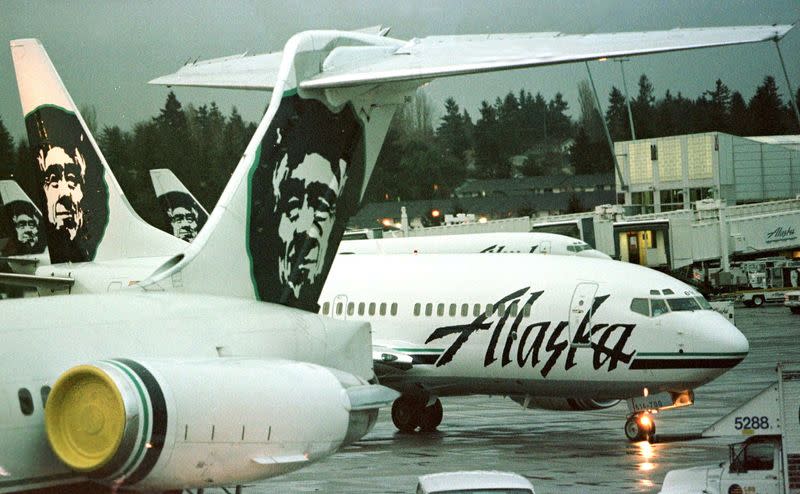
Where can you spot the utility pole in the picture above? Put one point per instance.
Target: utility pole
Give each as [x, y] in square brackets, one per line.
[627, 99]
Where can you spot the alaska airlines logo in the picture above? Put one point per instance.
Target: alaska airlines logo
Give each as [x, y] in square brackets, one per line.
[532, 345]
[497, 249]
[781, 234]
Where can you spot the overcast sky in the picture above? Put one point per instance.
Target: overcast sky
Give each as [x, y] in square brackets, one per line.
[106, 51]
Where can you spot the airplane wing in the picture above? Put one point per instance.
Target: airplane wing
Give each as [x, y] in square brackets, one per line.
[445, 56]
[38, 282]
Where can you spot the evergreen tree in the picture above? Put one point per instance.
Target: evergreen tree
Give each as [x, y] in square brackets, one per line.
[642, 109]
[765, 109]
[617, 116]
[6, 150]
[452, 132]
[739, 122]
[719, 107]
[490, 160]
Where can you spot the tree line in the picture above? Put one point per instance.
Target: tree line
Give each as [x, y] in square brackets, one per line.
[519, 134]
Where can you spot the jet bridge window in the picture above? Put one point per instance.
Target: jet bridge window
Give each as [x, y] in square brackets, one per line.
[683, 304]
[25, 401]
[326, 307]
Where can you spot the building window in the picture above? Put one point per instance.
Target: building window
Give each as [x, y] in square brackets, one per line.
[671, 199]
[642, 202]
[653, 152]
[700, 193]
[25, 401]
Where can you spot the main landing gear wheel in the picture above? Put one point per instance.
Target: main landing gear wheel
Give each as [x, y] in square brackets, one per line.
[431, 417]
[406, 414]
[640, 427]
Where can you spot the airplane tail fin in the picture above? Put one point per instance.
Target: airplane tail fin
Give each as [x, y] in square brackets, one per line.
[86, 215]
[184, 216]
[275, 230]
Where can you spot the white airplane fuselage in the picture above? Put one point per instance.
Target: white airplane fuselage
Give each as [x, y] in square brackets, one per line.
[206, 422]
[555, 349]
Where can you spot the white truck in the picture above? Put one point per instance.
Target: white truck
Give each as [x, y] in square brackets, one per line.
[768, 461]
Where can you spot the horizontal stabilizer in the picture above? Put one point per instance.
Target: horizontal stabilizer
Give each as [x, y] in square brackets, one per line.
[443, 56]
[38, 282]
[370, 397]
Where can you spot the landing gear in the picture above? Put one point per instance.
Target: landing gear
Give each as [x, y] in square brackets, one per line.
[640, 427]
[409, 413]
[431, 417]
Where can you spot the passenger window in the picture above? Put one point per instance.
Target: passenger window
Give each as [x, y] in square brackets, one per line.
[464, 310]
[440, 310]
[339, 307]
[326, 307]
[428, 309]
[372, 308]
[361, 307]
[351, 308]
[476, 310]
[526, 311]
[417, 308]
[25, 401]
[45, 393]
[383, 308]
[394, 308]
[452, 310]
[658, 307]
[514, 309]
[501, 309]
[641, 306]
[489, 309]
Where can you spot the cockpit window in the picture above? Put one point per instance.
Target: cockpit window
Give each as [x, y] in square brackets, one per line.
[641, 306]
[658, 307]
[703, 302]
[683, 304]
[667, 291]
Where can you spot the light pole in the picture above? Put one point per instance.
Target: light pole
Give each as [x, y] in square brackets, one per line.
[627, 99]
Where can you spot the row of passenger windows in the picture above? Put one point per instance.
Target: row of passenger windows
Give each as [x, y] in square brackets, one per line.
[26, 399]
[653, 307]
[429, 309]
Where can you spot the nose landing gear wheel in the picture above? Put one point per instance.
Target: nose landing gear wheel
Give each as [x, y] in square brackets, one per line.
[639, 427]
[405, 414]
[431, 417]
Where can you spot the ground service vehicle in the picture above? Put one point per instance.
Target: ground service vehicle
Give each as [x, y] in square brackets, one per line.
[792, 301]
[768, 461]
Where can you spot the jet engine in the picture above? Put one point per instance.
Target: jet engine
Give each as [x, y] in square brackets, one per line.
[182, 424]
[568, 404]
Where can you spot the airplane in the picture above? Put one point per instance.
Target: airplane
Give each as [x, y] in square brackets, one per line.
[150, 389]
[587, 354]
[142, 387]
[172, 194]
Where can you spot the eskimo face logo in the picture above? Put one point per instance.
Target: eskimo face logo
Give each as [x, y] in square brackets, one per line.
[542, 342]
[63, 188]
[184, 216]
[305, 202]
[24, 226]
[74, 197]
[305, 184]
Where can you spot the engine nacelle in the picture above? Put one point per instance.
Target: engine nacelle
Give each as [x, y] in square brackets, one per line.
[183, 424]
[566, 404]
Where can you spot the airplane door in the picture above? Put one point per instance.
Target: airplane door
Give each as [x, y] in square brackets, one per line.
[339, 309]
[579, 308]
[544, 247]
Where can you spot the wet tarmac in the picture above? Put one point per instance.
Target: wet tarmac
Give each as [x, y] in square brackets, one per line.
[558, 451]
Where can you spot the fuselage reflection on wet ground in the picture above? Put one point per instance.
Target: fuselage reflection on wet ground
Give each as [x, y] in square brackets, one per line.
[558, 451]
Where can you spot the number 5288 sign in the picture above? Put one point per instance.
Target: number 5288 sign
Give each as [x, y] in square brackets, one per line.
[754, 422]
